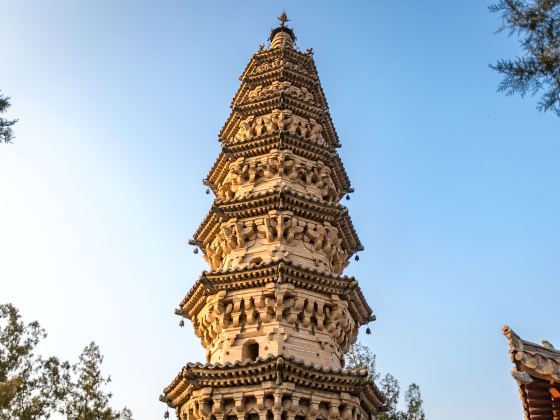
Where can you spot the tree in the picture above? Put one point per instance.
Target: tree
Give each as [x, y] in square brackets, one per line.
[87, 399]
[537, 24]
[30, 387]
[413, 401]
[6, 132]
[391, 389]
[360, 356]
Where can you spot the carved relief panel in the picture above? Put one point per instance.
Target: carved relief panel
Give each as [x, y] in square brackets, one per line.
[279, 234]
[280, 120]
[276, 86]
[277, 63]
[275, 169]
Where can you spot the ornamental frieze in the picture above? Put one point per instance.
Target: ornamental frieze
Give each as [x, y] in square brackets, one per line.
[280, 121]
[263, 173]
[278, 63]
[278, 234]
[261, 92]
[301, 148]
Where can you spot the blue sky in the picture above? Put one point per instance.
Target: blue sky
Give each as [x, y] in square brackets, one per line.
[120, 103]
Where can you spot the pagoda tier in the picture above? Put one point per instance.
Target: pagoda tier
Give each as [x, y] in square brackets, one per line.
[236, 157]
[276, 308]
[275, 223]
[274, 313]
[272, 388]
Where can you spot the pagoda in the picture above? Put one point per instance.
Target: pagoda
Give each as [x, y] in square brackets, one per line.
[274, 312]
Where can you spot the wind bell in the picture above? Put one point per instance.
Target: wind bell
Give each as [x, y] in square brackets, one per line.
[372, 318]
[350, 190]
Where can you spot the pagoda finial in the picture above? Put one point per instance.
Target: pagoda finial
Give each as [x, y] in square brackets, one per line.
[282, 35]
[283, 18]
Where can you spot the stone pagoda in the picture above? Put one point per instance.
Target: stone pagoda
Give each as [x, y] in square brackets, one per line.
[274, 313]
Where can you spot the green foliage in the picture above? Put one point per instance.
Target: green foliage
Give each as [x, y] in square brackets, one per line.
[32, 387]
[360, 356]
[6, 132]
[413, 401]
[87, 399]
[391, 389]
[537, 24]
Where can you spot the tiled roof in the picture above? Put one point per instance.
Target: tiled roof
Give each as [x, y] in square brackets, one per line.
[198, 375]
[537, 373]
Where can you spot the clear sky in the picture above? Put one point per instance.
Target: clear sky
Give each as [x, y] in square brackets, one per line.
[120, 103]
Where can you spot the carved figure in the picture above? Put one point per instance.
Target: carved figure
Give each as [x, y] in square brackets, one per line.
[214, 255]
[315, 132]
[315, 235]
[292, 229]
[332, 241]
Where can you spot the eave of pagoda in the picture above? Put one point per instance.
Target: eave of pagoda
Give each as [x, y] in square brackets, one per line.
[279, 199]
[536, 371]
[268, 142]
[260, 275]
[277, 140]
[197, 376]
[302, 205]
[277, 100]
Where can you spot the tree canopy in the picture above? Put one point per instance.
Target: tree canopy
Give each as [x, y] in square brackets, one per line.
[6, 131]
[87, 398]
[360, 356]
[537, 25]
[32, 387]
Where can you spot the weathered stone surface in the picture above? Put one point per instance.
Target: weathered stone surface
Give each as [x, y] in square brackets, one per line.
[278, 319]
[274, 313]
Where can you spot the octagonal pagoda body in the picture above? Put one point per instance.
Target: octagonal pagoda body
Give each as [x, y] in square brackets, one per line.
[274, 313]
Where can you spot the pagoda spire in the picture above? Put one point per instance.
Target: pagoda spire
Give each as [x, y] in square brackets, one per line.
[282, 36]
[275, 312]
